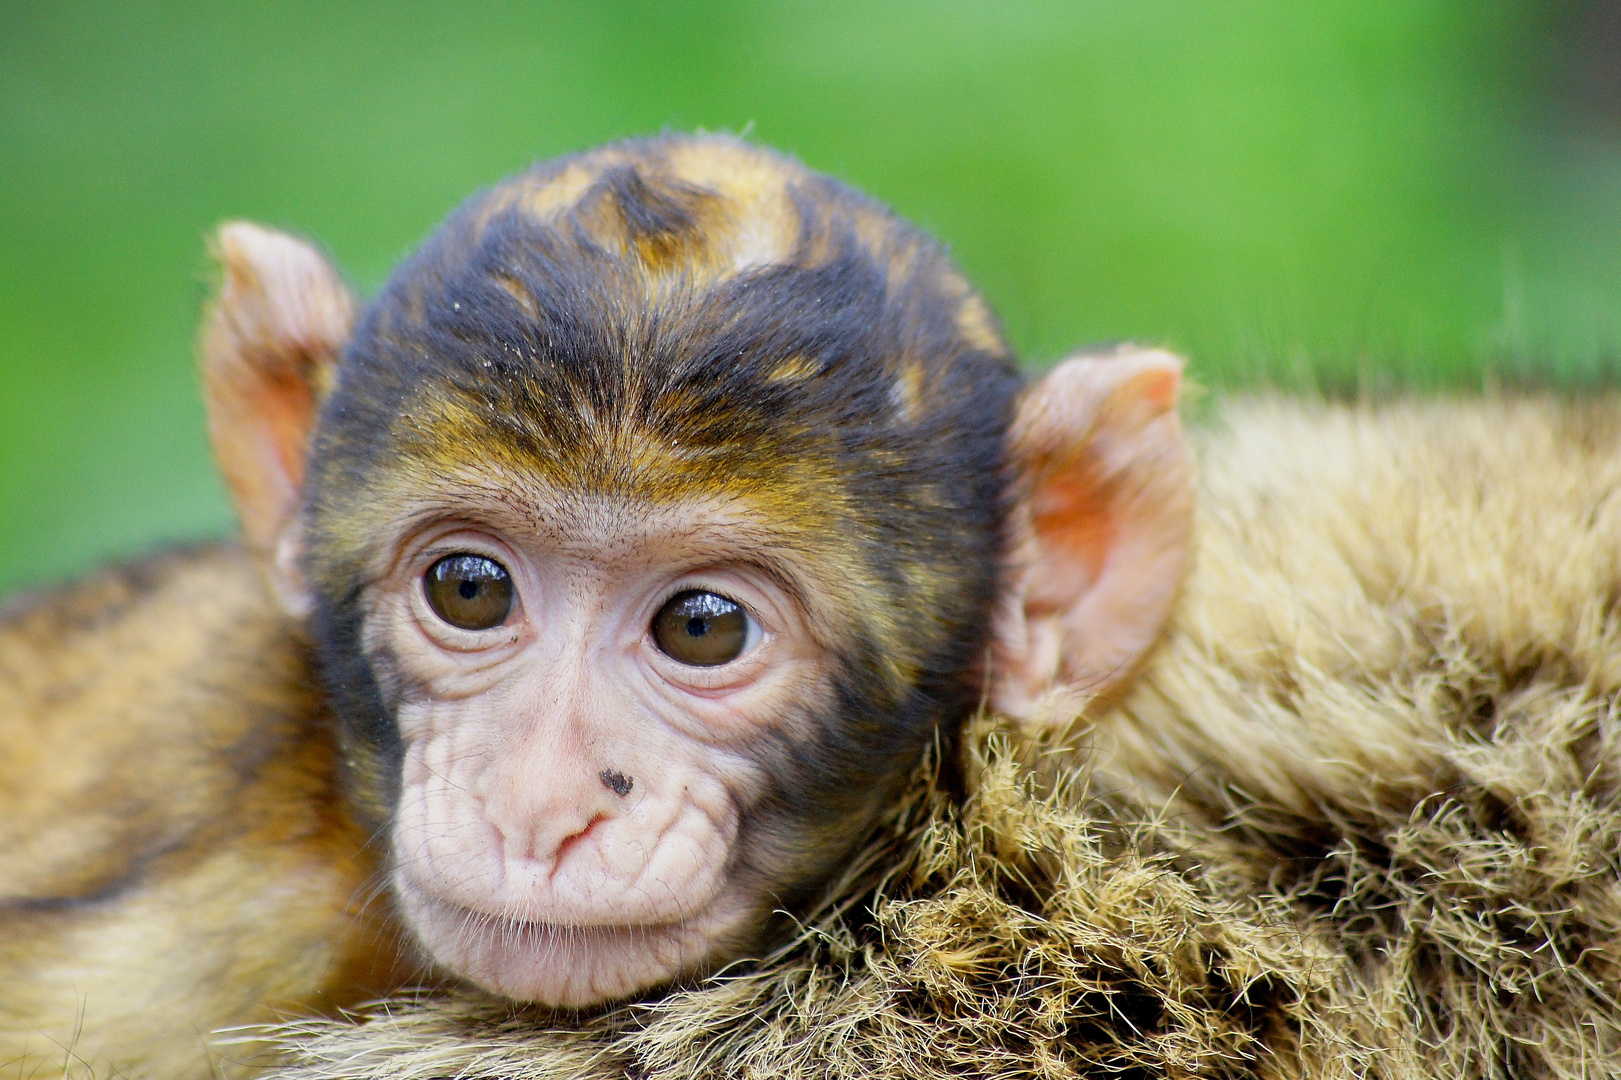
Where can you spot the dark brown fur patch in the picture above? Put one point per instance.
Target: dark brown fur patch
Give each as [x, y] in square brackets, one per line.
[660, 217]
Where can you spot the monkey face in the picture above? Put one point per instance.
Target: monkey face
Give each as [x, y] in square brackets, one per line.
[620, 400]
[651, 521]
[589, 693]
[649, 524]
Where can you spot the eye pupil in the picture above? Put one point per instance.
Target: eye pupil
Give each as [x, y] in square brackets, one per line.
[703, 629]
[471, 592]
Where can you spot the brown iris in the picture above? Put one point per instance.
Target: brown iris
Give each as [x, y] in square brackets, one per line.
[469, 591]
[700, 628]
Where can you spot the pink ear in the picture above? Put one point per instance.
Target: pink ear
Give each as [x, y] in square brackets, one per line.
[269, 344]
[1102, 529]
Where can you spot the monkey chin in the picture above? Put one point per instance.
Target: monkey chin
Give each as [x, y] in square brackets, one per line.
[570, 966]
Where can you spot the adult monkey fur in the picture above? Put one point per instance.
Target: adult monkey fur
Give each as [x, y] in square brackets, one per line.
[601, 585]
[1360, 817]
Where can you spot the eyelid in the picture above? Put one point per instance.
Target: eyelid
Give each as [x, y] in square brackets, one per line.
[434, 552]
[726, 585]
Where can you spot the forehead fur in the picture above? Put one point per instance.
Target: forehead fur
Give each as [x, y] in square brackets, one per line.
[687, 317]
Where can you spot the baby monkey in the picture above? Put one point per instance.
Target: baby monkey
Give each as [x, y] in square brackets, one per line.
[600, 582]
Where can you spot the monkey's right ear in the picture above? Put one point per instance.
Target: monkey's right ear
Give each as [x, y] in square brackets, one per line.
[1102, 529]
[269, 346]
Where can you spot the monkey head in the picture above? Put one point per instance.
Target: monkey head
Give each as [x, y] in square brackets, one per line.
[650, 522]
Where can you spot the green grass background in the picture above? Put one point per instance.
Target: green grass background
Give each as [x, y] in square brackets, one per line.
[1347, 193]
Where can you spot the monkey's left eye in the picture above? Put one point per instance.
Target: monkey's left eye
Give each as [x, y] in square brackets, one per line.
[703, 629]
[469, 591]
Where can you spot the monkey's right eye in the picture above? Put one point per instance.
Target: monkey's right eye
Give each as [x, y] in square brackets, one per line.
[469, 591]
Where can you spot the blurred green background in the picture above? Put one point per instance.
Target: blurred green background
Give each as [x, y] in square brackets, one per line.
[1351, 195]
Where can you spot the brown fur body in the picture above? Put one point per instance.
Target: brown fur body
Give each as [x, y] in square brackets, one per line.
[174, 856]
[1360, 817]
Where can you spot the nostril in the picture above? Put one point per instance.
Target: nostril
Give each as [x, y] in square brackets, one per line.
[569, 841]
[616, 782]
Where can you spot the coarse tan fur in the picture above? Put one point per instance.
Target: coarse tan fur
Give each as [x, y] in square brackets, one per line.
[1360, 817]
[175, 855]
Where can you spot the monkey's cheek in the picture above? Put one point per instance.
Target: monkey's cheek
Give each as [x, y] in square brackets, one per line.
[571, 966]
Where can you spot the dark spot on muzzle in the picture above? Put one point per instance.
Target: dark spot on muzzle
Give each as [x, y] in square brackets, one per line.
[616, 782]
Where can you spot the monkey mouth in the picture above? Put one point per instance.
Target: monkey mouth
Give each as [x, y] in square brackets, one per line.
[567, 965]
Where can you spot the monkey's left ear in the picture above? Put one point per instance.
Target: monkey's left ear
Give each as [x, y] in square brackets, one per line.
[270, 343]
[1102, 530]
